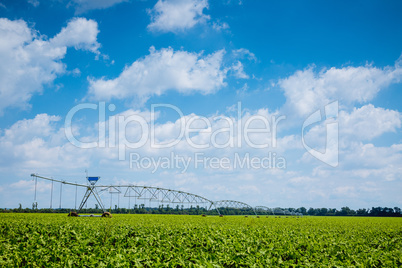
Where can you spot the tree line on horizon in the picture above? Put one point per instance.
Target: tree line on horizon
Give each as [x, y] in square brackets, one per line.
[197, 210]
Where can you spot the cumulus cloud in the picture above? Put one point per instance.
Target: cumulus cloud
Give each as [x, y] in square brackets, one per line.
[29, 61]
[28, 129]
[373, 171]
[369, 122]
[194, 133]
[177, 15]
[82, 6]
[360, 156]
[361, 124]
[38, 144]
[308, 90]
[163, 70]
[80, 33]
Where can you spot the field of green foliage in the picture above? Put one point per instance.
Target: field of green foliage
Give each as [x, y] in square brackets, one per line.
[42, 240]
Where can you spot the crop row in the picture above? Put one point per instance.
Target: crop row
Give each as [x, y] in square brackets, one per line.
[35, 240]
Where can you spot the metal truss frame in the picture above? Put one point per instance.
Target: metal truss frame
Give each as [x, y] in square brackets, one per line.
[162, 195]
[232, 204]
[158, 194]
[264, 208]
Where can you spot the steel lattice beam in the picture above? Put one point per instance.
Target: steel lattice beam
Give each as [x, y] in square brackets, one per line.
[264, 208]
[232, 204]
[162, 195]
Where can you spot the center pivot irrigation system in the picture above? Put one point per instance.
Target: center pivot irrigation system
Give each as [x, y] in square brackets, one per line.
[154, 194]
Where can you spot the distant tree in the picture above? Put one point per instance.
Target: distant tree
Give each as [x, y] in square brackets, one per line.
[322, 212]
[311, 211]
[361, 212]
[302, 210]
[397, 211]
[344, 211]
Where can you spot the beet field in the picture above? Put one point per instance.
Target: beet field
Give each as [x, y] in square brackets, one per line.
[43, 240]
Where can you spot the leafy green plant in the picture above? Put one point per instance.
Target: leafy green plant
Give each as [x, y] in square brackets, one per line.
[36, 240]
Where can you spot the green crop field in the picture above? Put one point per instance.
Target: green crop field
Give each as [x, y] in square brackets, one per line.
[42, 240]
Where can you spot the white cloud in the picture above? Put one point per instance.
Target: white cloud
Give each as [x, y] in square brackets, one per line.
[76, 72]
[238, 71]
[29, 61]
[219, 26]
[209, 134]
[367, 156]
[308, 90]
[27, 129]
[177, 15]
[163, 70]
[368, 122]
[237, 67]
[80, 33]
[83, 6]
[366, 174]
[361, 124]
[38, 144]
[242, 53]
[35, 3]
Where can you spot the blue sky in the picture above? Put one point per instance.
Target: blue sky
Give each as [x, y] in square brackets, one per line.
[273, 58]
